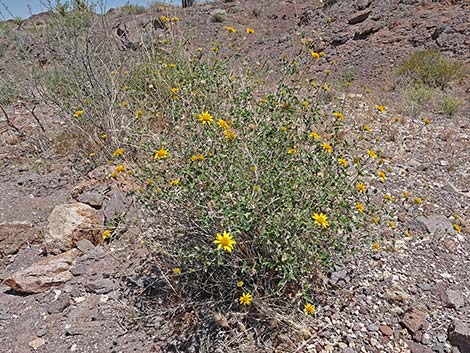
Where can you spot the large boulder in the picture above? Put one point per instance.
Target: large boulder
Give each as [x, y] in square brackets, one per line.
[70, 223]
[44, 274]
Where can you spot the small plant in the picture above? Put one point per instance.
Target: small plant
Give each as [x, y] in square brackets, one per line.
[416, 97]
[430, 67]
[451, 105]
[217, 18]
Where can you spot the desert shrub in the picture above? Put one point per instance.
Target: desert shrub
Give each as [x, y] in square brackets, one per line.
[258, 168]
[416, 97]
[132, 9]
[451, 105]
[432, 68]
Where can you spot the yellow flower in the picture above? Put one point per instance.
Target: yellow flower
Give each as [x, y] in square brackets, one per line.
[375, 220]
[175, 90]
[118, 152]
[372, 154]
[215, 49]
[309, 309]
[253, 168]
[326, 147]
[230, 29]
[240, 284]
[104, 136]
[125, 104]
[205, 118]
[376, 246]
[326, 88]
[426, 121]
[165, 19]
[327, 72]
[407, 234]
[246, 298]
[177, 271]
[106, 234]
[338, 115]
[230, 134]
[78, 113]
[174, 182]
[138, 114]
[256, 188]
[305, 103]
[389, 198]
[391, 224]
[380, 108]
[197, 157]
[171, 66]
[366, 128]
[314, 135]
[360, 207]
[92, 154]
[417, 200]
[250, 30]
[457, 228]
[162, 153]
[292, 151]
[343, 162]
[405, 195]
[361, 187]
[315, 55]
[321, 219]
[223, 124]
[283, 128]
[381, 175]
[224, 240]
[120, 168]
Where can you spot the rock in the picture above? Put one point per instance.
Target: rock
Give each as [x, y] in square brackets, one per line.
[91, 198]
[58, 305]
[453, 299]
[418, 348]
[38, 342]
[436, 224]
[358, 17]
[340, 276]
[85, 246]
[100, 286]
[68, 224]
[397, 294]
[14, 235]
[459, 335]
[116, 206]
[367, 28]
[415, 320]
[426, 339]
[362, 4]
[44, 274]
[386, 330]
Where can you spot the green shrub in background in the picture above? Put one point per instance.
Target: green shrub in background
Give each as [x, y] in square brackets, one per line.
[432, 68]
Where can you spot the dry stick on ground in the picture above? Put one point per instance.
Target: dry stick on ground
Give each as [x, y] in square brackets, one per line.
[10, 124]
[34, 116]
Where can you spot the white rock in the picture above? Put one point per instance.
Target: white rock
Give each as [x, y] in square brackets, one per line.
[69, 223]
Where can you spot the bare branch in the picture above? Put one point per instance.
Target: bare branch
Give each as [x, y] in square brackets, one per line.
[9, 122]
